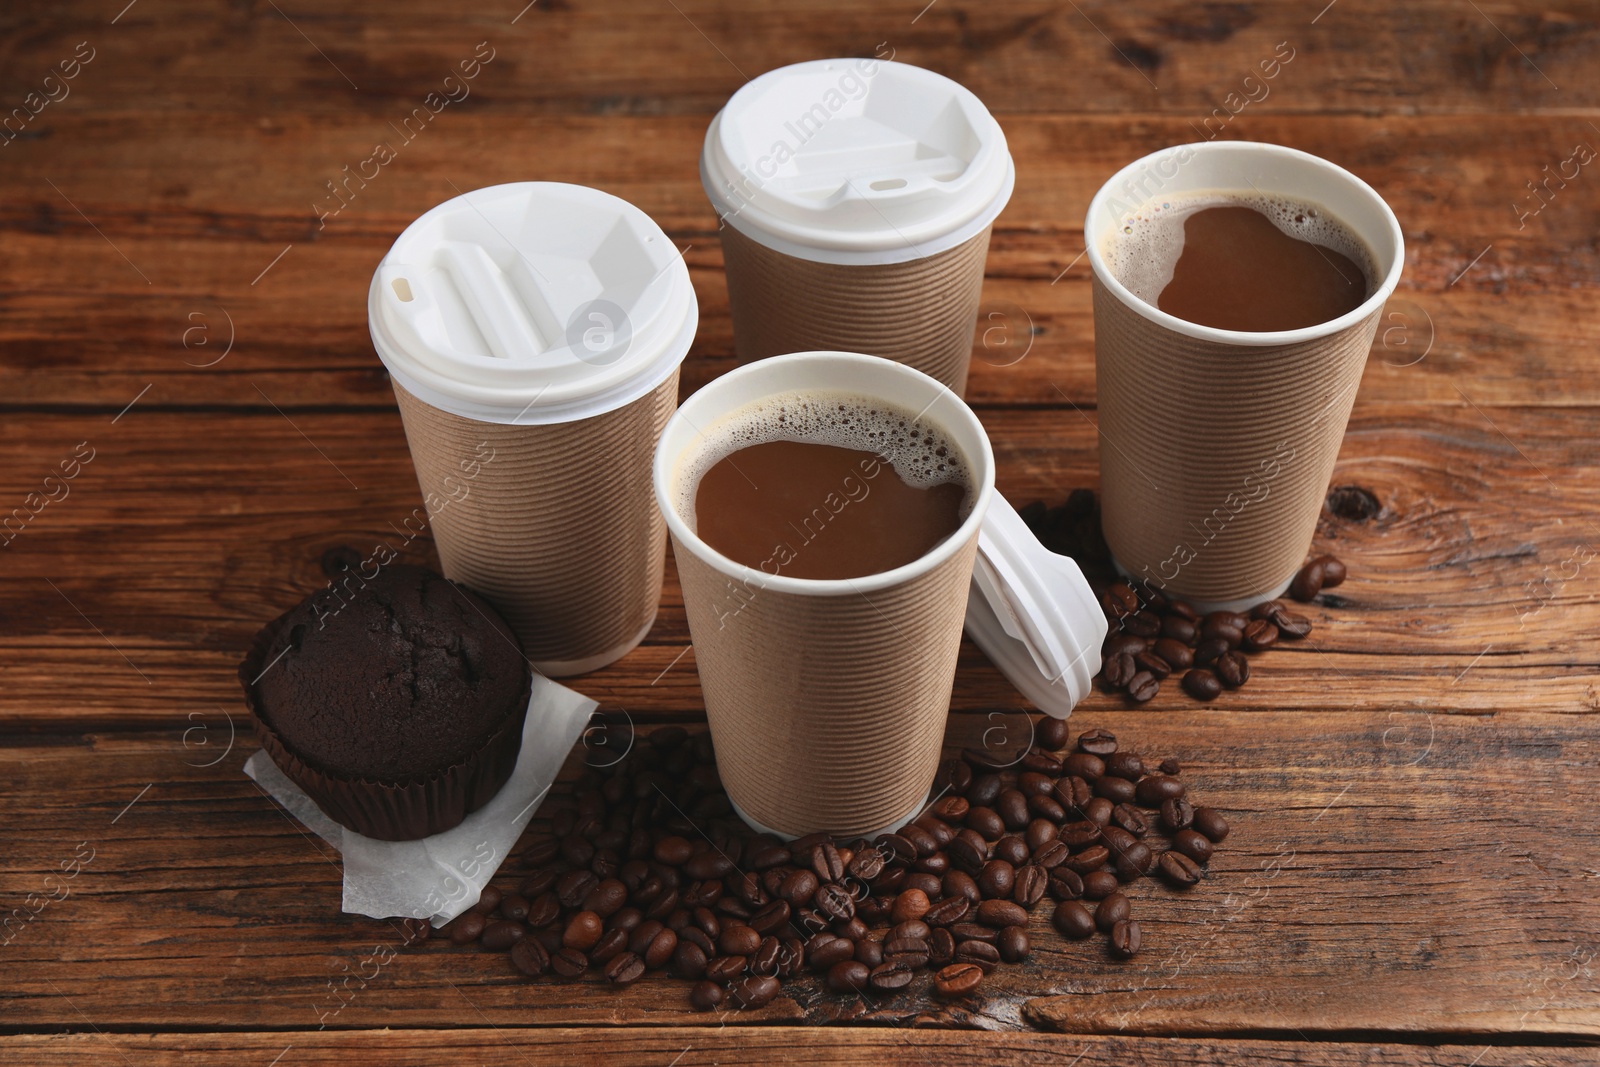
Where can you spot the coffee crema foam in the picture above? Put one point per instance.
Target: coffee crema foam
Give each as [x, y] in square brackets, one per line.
[921, 455]
[1143, 252]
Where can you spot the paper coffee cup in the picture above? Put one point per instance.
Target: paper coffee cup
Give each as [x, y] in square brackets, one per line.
[827, 699]
[856, 198]
[534, 333]
[1217, 445]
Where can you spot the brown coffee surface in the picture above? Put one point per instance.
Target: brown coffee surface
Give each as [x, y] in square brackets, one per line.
[810, 510]
[1239, 271]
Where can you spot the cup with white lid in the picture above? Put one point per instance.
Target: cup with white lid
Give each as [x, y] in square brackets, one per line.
[827, 697]
[856, 198]
[533, 333]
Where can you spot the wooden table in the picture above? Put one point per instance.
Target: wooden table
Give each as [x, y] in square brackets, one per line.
[1414, 873]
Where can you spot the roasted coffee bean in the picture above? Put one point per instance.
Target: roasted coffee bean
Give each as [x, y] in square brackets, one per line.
[1033, 783]
[577, 850]
[1179, 869]
[1044, 763]
[765, 959]
[706, 996]
[984, 790]
[825, 950]
[953, 775]
[767, 857]
[996, 879]
[707, 922]
[1233, 669]
[1072, 793]
[984, 760]
[1209, 821]
[569, 963]
[910, 904]
[1175, 627]
[1119, 670]
[855, 929]
[1143, 687]
[466, 928]
[1097, 742]
[1260, 635]
[1291, 625]
[935, 864]
[998, 913]
[1097, 885]
[1052, 855]
[1072, 920]
[1177, 655]
[640, 936]
[660, 949]
[1170, 766]
[898, 847]
[1089, 860]
[969, 850]
[1159, 788]
[1308, 583]
[514, 906]
[891, 975]
[798, 887]
[1130, 819]
[673, 851]
[736, 939]
[957, 980]
[1176, 814]
[835, 902]
[1098, 811]
[1142, 624]
[539, 849]
[1115, 789]
[1012, 807]
[951, 809]
[961, 884]
[664, 905]
[503, 933]
[1134, 861]
[848, 976]
[488, 900]
[1119, 599]
[1206, 652]
[770, 917]
[947, 911]
[530, 957]
[1050, 733]
[726, 968]
[1125, 765]
[1202, 684]
[1151, 664]
[826, 862]
[1048, 807]
[1193, 844]
[1116, 838]
[941, 948]
[869, 951]
[931, 884]
[1012, 849]
[753, 991]
[624, 969]
[1030, 883]
[1080, 834]
[1040, 832]
[1118, 644]
[1125, 939]
[1222, 626]
[710, 864]
[628, 919]
[1112, 910]
[971, 931]
[920, 840]
[605, 899]
[866, 864]
[1333, 572]
[1085, 765]
[986, 822]
[1065, 884]
[574, 887]
[911, 951]
[1013, 944]
[539, 882]
[688, 961]
[981, 953]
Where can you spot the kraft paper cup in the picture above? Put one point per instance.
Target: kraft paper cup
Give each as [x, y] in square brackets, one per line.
[1217, 445]
[856, 198]
[534, 334]
[827, 699]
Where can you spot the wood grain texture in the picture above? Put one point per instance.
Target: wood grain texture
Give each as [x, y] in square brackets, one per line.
[1410, 873]
[708, 1046]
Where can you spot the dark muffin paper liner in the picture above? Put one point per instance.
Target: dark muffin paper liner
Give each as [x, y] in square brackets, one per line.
[401, 810]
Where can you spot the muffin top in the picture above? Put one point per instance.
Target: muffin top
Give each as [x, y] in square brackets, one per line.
[393, 678]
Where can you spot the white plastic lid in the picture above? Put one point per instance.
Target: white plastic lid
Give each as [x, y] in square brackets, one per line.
[1033, 613]
[856, 161]
[532, 303]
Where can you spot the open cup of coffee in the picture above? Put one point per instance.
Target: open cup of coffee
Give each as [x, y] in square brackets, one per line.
[829, 514]
[533, 333]
[1237, 288]
[856, 197]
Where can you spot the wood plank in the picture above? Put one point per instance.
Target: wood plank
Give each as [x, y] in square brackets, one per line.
[1407, 874]
[187, 532]
[707, 1046]
[84, 327]
[688, 57]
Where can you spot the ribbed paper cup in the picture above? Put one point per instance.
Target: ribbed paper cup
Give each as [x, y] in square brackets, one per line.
[558, 527]
[827, 698]
[1217, 445]
[921, 312]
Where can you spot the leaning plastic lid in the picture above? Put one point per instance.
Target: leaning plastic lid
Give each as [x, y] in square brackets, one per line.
[1033, 614]
[532, 303]
[856, 161]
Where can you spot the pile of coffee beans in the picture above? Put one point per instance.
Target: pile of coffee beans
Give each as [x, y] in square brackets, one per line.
[645, 867]
[1154, 637]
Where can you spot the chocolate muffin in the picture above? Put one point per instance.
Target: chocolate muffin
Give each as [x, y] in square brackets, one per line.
[396, 703]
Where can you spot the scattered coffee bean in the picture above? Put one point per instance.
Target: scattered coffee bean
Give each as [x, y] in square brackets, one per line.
[1125, 939]
[1192, 844]
[957, 980]
[706, 996]
[1143, 687]
[569, 963]
[890, 975]
[1096, 742]
[625, 969]
[1176, 814]
[1232, 669]
[1159, 788]
[1097, 885]
[1210, 822]
[1308, 583]
[1051, 734]
[467, 928]
[753, 991]
[1202, 684]
[1012, 944]
[1333, 572]
[848, 976]
[999, 913]
[1073, 920]
[1260, 635]
[1179, 869]
[530, 957]
[981, 953]
[1112, 910]
[1170, 766]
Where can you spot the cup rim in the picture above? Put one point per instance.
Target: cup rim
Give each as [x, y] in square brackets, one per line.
[662, 469]
[1246, 338]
